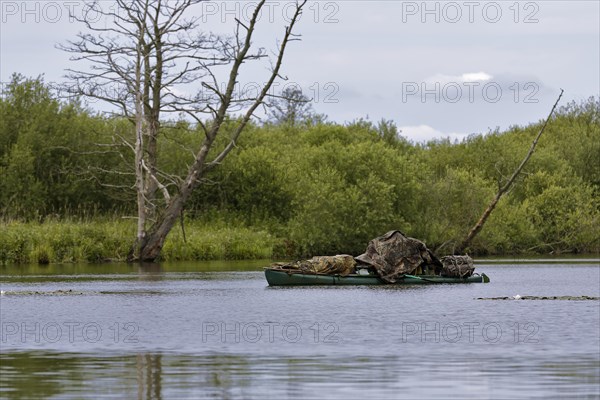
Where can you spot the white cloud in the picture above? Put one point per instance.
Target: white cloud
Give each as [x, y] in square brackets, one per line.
[466, 77]
[475, 77]
[425, 133]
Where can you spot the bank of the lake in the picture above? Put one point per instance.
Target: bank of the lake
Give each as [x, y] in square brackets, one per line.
[98, 240]
[110, 240]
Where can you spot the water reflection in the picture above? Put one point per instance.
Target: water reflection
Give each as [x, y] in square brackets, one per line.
[149, 370]
[153, 376]
[43, 375]
[150, 272]
[26, 376]
[35, 270]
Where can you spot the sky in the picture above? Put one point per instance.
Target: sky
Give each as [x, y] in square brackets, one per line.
[437, 69]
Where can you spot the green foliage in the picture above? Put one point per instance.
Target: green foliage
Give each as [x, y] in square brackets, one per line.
[335, 217]
[218, 242]
[20, 190]
[49, 161]
[106, 240]
[451, 205]
[565, 217]
[509, 230]
[291, 191]
[256, 185]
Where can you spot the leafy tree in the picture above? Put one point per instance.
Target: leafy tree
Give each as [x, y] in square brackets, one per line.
[48, 152]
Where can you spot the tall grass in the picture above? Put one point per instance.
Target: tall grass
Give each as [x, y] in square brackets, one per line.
[110, 240]
[216, 241]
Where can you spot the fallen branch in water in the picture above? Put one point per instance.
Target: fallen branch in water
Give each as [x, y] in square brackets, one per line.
[479, 225]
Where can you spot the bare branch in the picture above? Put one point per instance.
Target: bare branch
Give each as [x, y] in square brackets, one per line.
[266, 88]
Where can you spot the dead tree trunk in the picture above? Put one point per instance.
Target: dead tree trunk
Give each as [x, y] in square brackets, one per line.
[127, 51]
[157, 234]
[504, 189]
[139, 98]
[139, 59]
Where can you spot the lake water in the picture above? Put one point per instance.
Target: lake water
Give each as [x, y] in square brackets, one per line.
[216, 330]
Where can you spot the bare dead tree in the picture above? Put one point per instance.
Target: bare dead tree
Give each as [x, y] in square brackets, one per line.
[135, 53]
[291, 107]
[239, 50]
[506, 187]
[137, 62]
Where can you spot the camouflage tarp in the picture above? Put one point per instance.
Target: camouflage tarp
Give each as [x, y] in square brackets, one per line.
[457, 266]
[393, 255]
[342, 264]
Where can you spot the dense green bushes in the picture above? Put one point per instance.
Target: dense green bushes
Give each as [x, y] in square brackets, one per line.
[291, 191]
[51, 161]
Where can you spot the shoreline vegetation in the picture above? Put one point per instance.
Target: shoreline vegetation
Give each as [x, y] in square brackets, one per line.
[103, 240]
[293, 189]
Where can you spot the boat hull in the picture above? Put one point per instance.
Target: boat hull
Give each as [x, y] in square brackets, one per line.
[284, 278]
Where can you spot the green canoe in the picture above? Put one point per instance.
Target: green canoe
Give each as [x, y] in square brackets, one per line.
[277, 277]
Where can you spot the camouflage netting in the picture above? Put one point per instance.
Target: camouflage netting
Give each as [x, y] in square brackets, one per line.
[457, 266]
[391, 256]
[394, 254]
[342, 264]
